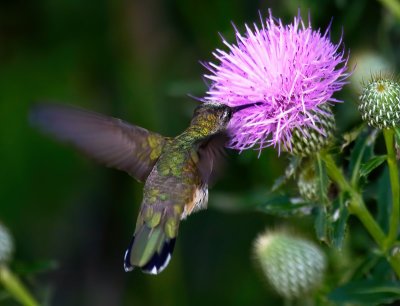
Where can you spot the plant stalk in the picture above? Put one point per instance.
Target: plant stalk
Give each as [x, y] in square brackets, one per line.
[15, 287]
[394, 183]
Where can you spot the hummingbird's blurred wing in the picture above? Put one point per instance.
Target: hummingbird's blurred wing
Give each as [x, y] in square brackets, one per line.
[211, 155]
[111, 141]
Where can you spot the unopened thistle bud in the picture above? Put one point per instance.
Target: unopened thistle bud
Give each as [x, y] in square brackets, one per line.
[310, 139]
[6, 244]
[292, 266]
[307, 183]
[380, 103]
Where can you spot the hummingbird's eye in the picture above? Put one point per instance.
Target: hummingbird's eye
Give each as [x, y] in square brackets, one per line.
[225, 116]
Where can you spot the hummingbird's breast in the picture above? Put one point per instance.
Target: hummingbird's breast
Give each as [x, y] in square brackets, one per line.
[174, 186]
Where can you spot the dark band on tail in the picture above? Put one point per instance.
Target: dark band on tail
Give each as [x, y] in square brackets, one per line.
[127, 258]
[157, 263]
[160, 261]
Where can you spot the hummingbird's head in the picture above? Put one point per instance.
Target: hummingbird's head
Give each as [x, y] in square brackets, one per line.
[214, 117]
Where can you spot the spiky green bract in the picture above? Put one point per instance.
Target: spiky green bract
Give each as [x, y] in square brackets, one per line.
[6, 245]
[307, 183]
[293, 266]
[380, 102]
[312, 138]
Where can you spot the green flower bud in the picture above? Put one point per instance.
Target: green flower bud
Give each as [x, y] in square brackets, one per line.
[307, 183]
[6, 245]
[380, 103]
[292, 266]
[308, 140]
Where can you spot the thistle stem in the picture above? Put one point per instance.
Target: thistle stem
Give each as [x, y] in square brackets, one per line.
[358, 208]
[394, 183]
[14, 286]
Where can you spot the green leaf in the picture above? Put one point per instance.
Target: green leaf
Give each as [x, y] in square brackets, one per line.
[289, 172]
[371, 164]
[284, 206]
[321, 224]
[351, 136]
[367, 292]
[322, 178]
[340, 216]
[362, 151]
[273, 204]
[321, 220]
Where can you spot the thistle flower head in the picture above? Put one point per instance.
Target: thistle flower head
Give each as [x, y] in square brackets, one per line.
[6, 244]
[289, 70]
[292, 266]
[380, 102]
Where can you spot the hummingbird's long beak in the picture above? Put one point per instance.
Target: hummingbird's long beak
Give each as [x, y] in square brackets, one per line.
[241, 107]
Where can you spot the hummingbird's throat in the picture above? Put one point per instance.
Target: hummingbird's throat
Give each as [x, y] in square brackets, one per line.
[200, 131]
[204, 125]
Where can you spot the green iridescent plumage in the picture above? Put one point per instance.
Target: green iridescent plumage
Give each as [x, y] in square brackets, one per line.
[175, 188]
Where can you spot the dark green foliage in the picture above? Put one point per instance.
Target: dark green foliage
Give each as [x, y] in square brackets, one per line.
[367, 292]
[283, 206]
[291, 169]
[274, 204]
[361, 153]
[371, 164]
[340, 217]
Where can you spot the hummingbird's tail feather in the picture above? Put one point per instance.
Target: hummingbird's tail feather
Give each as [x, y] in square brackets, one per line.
[150, 250]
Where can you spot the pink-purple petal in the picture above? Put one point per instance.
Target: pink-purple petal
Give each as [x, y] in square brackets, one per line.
[291, 69]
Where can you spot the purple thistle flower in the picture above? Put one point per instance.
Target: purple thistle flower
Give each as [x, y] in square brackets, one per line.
[291, 69]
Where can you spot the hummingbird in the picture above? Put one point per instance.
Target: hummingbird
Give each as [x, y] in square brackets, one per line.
[175, 171]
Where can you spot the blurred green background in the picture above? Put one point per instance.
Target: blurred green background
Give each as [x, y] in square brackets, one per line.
[72, 218]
